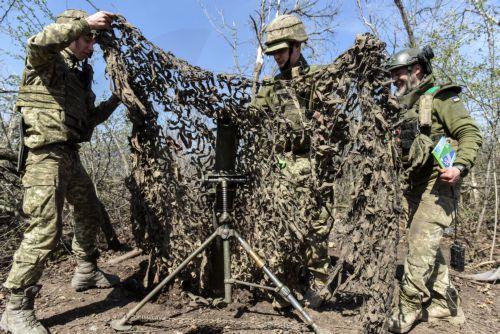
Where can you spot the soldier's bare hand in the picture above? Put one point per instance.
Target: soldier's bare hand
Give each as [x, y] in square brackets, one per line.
[100, 20]
[449, 175]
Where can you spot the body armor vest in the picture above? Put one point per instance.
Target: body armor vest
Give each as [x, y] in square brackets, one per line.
[418, 120]
[63, 90]
[297, 109]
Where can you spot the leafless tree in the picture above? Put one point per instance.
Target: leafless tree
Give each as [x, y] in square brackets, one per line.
[318, 17]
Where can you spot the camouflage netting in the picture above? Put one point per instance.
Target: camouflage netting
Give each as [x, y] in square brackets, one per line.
[174, 107]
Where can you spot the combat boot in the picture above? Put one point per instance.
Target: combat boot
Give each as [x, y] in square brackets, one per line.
[313, 299]
[19, 315]
[316, 293]
[88, 275]
[405, 315]
[439, 309]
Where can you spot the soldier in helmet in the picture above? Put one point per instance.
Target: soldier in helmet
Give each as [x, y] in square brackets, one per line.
[431, 111]
[285, 36]
[58, 113]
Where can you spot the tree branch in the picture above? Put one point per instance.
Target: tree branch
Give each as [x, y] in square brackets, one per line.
[3, 91]
[259, 59]
[406, 22]
[7, 11]
[365, 21]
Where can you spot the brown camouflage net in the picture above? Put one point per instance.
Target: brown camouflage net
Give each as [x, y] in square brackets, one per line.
[173, 107]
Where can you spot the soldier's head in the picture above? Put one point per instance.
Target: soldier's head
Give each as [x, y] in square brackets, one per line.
[284, 37]
[83, 46]
[409, 67]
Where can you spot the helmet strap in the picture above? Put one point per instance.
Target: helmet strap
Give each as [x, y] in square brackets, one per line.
[290, 51]
[422, 66]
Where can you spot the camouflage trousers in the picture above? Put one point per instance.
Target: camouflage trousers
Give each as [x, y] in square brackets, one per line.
[429, 209]
[297, 171]
[52, 174]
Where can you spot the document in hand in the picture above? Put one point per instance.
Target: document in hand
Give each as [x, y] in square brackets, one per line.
[444, 153]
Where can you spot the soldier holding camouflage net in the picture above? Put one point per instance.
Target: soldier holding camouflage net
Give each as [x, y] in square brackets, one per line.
[284, 38]
[58, 112]
[430, 111]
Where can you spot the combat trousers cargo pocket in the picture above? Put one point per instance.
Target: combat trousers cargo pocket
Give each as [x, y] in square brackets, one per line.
[40, 188]
[42, 205]
[443, 199]
[40, 202]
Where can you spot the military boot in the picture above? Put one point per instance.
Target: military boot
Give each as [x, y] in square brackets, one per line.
[88, 275]
[316, 293]
[313, 298]
[19, 316]
[440, 309]
[405, 315]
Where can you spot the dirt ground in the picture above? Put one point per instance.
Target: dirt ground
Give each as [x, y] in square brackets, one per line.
[64, 311]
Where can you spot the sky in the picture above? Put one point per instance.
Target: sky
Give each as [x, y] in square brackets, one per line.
[182, 28]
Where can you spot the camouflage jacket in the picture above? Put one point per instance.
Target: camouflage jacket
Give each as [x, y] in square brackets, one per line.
[449, 118]
[278, 96]
[55, 96]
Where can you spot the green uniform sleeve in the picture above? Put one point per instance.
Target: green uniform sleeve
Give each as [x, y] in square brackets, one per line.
[44, 46]
[460, 125]
[102, 112]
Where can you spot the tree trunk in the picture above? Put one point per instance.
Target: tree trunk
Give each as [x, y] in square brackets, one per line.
[485, 199]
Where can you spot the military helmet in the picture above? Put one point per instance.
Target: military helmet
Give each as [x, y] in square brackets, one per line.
[71, 14]
[284, 29]
[408, 57]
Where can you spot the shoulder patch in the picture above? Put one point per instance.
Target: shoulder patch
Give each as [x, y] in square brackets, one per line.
[455, 99]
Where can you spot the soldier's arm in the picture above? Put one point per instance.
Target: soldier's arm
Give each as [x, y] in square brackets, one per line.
[44, 46]
[102, 112]
[461, 127]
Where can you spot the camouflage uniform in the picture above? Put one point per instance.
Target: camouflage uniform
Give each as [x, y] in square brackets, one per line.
[430, 202]
[57, 106]
[296, 163]
[279, 97]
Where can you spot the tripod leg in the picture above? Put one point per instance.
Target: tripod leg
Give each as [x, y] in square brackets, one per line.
[284, 291]
[121, 324]
[227, 272]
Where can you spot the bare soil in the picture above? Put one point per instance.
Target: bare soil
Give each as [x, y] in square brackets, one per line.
[63, 310]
